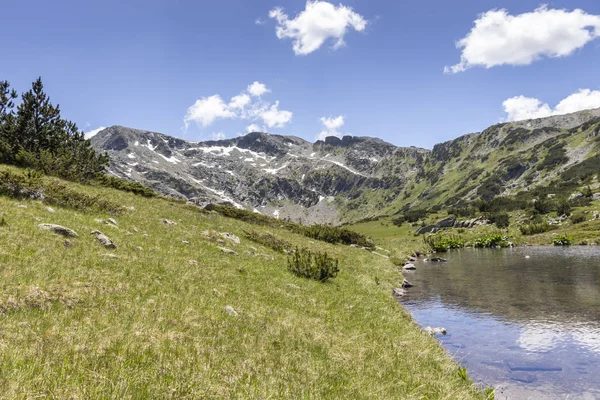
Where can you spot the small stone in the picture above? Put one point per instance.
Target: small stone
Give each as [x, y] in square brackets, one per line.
[220, 241]
[139, 248]
[217, 293]
[145, 234]
[136, 230]
[228, 251]
[185, 242]
[111, 256]
[412, 259]
[398, 292]
[406, 284]
[192, 262]
[291, 285]
[104, 240]
[231, 311]
[230, 236]
[130, 208]
[61, 230]
[168, 222]
[50, 210]
[21, 206]
[435, 331]
[112, 221]
[410, 267]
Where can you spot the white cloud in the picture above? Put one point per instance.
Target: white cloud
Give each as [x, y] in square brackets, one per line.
[239, 102]
[93, 132]
[319, 22]
[275, 118]
[206, 110]
[331, 127]
[499, 38]
[218, 136]
[248, 105]
[258, 89]
[253, 128]
[259, 21]
[520, 107]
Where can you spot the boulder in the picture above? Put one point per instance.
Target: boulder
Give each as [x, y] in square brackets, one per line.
[103, 239]
[412, 259]
[406, 284]
[437, 259]
[446, 222]
[398, 292]
[61, 230]
[230, 236]
[435, 331]
[427, 229]
[410, 266]
[228, 251]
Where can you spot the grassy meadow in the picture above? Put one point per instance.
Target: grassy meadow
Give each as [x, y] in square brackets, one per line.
[152, 318]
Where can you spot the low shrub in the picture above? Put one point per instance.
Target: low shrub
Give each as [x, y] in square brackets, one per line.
[126, 186]
[317, 266]
[441, 243]
[535, 228]
[501, 220]
[270, 241]
[561, 240]
[578, 218]
[491, 241]
[331, 234]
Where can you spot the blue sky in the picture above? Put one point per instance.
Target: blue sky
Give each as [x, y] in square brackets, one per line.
[143, 64]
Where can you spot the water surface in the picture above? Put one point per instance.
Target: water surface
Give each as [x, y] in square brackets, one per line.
[525, 320]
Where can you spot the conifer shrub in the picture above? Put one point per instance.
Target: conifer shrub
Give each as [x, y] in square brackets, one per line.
[535, 228]
[312, 265]
[578, 218]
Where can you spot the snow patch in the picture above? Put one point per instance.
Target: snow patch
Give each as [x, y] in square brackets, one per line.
[274, 170]
[171, 159]
[131, 155]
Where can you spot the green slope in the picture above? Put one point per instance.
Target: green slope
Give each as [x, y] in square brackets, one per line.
[148, 319]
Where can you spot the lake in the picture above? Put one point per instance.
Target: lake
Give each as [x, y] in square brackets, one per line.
[525, 320]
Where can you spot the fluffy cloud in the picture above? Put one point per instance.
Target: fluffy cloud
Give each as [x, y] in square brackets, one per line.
[258, 89]
[331, 127]
[218, 136]
[206, 110]
[499, 38]
[247, 105]
[521, 107]
[319, 22]
[275, 118]
[253, 128]
[93, 132]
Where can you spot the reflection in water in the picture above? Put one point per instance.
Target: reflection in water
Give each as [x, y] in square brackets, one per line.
[530, 325]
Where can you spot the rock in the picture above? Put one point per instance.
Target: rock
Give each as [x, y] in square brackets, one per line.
[596, 215]
[230, 236]
[185, 242]
[112, 221]
[139, 248]
[231, 311]
[426, 229]
[168, 222]
[437, 259]
[410, 267]
[192, 262]
[21, 206]
[50, 210]
[446, 222]
[61, 230]
[291, 285]
[220, 241]
[435, 331]
[103, 239]
[112, 256]
[398, 292]
[406, 284]
[130, 208]
[412, 259]
[228, 251]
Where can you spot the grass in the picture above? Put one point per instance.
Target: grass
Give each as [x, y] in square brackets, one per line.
[148, 320]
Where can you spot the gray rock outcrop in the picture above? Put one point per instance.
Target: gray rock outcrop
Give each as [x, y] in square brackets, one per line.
[60, 230]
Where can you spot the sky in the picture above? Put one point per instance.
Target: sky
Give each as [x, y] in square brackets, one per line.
[411, 73]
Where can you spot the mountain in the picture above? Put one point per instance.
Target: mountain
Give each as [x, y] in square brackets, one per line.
[352, 178]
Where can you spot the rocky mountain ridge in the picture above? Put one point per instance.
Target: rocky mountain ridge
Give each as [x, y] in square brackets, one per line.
[344, 179]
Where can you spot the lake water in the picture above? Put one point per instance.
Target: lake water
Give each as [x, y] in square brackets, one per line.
[524, 320]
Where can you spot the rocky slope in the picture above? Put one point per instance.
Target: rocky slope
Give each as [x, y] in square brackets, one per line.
[340, 180]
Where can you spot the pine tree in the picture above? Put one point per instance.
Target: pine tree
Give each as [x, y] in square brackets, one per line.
[7, 120]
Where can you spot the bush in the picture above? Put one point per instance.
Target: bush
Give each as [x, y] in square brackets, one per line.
[491, 241]
[270, 241]
[561, 240]
[563, 207]
[126, 186]
[502, 220]
[317, 266]
[578, 218]
[440, 243]
[331, 234]
[535, 228]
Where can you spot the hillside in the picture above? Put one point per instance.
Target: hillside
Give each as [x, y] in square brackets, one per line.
[349, 179]
[169, 314]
